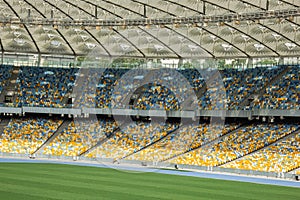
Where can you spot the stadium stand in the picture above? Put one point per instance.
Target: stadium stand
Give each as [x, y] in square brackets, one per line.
[284, 94]
[132, 138]
[283, 156]
[25, 135]
[50, 87]
[185, 139]
[5, 73]
[238, 61]
[79, 136]
[44, 86]
[267, 147]
[238, 144]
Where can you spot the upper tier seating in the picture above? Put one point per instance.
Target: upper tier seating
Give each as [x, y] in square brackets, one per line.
[284, 94]
[236, 85]
[39, 86]
[5, 73]
[50, 87]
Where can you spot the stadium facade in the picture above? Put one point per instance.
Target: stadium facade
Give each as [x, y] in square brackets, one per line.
[89, 80]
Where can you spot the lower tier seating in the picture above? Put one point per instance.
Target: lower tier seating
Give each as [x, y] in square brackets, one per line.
[79, 137]
[238, 144]
[185, 139]
[282, 156]
[132, 138]
[25, 135]
[268, 147]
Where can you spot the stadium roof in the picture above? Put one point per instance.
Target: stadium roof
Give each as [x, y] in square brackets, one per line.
[192, 28]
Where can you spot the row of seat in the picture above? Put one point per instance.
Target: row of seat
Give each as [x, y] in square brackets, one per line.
[283, 94]
[282, 156]
[24, 136]
[261, 147]
[80, 136]
[132, 138]
[44, 86]
[163, 89]
[236, 145]
[186, 138]
[5, 74]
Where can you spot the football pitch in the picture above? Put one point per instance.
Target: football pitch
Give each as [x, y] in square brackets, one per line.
[55, 181]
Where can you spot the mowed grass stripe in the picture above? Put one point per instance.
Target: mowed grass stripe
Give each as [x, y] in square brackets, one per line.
[78, 182]
[188, 185]
[187, 177]
[164, 189]
[69, 186]
[160, 191]
[41, 191]
[21, 195]
[76, 190]
[186, 188]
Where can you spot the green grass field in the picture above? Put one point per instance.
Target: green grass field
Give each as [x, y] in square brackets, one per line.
[53, 181]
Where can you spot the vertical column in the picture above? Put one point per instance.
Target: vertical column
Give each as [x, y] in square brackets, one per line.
[2, 57]
[145, 11]
[250, 62]
[180, 62]
[96, 12]
[39, 60]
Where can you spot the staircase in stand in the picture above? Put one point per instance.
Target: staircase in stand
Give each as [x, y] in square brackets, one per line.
[262, 148]
[212, 142]
[3, 124]
[99, 143]
[79, 89]
[294, 170]
[160, 139]
[60, 129]
[210, 79]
